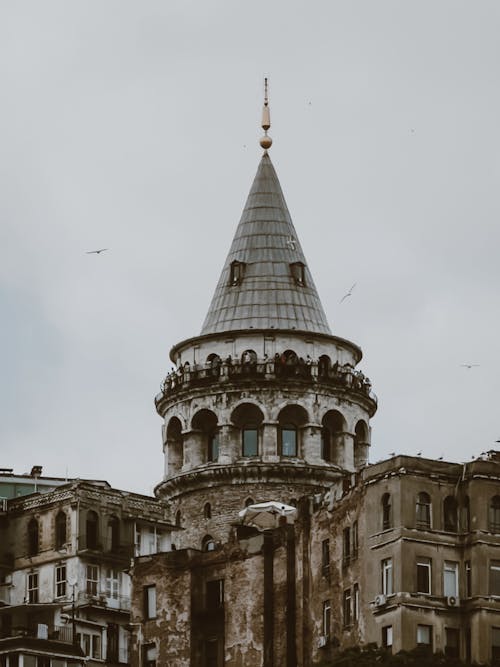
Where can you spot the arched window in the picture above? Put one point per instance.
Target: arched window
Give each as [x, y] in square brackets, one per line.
[113, 536]
[178, 519]
[290, 419]
[386, 511]
[92, 530]
[450, 513]
[324, 365]
[289, 363]
[208, 543]
[60, 530]
[332, 434]
[465, 515]
[494, 518]
[206, 422]
[361, 444]
[248, 502]
[248, 418]
[249, 358]
[207, 511]
[423, 511]
[33, 537]
[175, 446]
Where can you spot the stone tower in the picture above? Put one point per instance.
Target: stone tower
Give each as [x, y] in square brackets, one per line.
[265, 404]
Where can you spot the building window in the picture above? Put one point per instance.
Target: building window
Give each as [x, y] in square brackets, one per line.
[298, 273]
[33, 537]
[248, 502]
[424, 635]
[288, 440]
[423, 511]
[450, 511]
[149, 655]
[33, 588]
[355, 602]
[386, 571]
[386, 511]
[207, 511]
[237, 270]
[495, 646]
[250, 438]
[208, 543]
[468, 579]
[494, 522]
[387, 637]
[213, 447]
[424, 576]
[60, 581]
[450, 579]
[214, 594]
[178, 519]
[346, 546]
[346, 606]
[113, 535]
[92, 580]
[92, 530]
[495, 577]
[354, 540]
[149, 601]
[325, 558]
[60, 530]
[112, 584]
[327, 617]
[452, 642]
[326, 450]
[465, 515]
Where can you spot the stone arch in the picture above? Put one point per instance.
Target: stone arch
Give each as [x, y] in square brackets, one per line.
[289, 363]
[175, 448]
[291, 419]
[248, 418]
[324, 365]
[208, 543]
[332, 436]
[205, 422]
[361, 443]
[249, 501]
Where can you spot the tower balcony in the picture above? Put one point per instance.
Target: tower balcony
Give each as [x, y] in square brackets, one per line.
[278, 370]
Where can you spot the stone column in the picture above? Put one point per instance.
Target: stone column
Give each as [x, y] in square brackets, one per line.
[226, 448]
[348, 451]
[270, 442]
[194, 442]
[311, 444]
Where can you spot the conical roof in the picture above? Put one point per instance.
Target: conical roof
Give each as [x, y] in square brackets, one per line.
[265, 282]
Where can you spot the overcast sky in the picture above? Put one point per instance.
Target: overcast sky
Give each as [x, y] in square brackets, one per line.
[134, 126]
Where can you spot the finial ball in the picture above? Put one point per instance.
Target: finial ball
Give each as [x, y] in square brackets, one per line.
[266, 142]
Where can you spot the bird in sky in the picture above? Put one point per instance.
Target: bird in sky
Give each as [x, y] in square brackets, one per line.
[96, 252]
[392, 453]
[419, 453]
[469, 365]
[349, 293]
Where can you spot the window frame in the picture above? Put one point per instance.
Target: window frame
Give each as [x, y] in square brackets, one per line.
[61, 582]
[91, 584]
[421, 628]
[327, 619]
[423, 512]
[386, 511]
[247, 452]
[494, 580]
[33, 587]
[289, 427]
[387, 572]
[149, 602]
[424, 565]
[347, 608]
[451, 566]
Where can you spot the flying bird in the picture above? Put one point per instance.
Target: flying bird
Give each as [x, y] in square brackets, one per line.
[96, 252]
[469, 365]
[349, 293]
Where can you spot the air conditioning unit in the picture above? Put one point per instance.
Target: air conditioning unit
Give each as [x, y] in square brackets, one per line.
[322, 641]
[380, 600]
[453, 601]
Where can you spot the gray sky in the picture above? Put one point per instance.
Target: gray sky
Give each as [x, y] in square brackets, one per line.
[135, 126]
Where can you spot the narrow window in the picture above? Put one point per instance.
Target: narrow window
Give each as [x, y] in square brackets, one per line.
[178, 519]
[92, 580]
[355, 602]
[468, 579]
[250, 436]
[386, 571]
[149, 654]
[237, 270]
[450, 511]
[208, 543]
[33, 588]
[207, 511]
[288, 433]
[450, 579]
[213, 447]
[92, 530]
[387, 637]
[424, 576]
[60, 530]
[347, 607]
[298, 273]
[346, 546]
[214, 594]
[495, 646]
[327, 617]
[423, 511]
[452, 642]
[494, 521]
[325, 558]
[112, 584]
[424, 635]
[113, 534]
[354, 540]
[326, 453]
[96, 646]
[386, 511]
[149, 602]
[465, 515]
[495, 577]
[33, 537]
[60, 581]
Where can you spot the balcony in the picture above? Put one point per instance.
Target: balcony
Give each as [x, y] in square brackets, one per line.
[106, 549]
[100, 600]
[342, 377]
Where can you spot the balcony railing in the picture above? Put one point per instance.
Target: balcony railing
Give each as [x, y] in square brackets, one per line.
[119, 602]
[295, 369]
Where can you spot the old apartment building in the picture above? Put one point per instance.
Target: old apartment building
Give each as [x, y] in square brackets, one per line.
[272, 541]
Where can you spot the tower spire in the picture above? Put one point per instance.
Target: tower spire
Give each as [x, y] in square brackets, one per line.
[266, 141]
